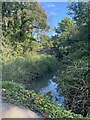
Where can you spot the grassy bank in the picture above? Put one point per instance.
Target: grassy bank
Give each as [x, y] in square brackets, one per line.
[25, 70]
[16, 93]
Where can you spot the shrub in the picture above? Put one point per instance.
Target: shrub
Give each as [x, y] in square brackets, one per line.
[74, 82]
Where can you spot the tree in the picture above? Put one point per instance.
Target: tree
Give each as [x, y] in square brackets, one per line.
[45, 41]
[23, 20]
[79, 11]
[66, 33]
[76, 75]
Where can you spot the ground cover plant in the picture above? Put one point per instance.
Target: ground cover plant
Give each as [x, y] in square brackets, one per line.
[16, 93]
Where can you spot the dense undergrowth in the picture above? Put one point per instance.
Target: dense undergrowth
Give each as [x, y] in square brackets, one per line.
[16, 93]
[75, 86]
[25, 70]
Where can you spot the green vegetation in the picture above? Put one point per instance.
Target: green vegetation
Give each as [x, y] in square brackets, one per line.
[23, 28]
[23, 20]
[16, 93]
[25, 70]
[72, 40]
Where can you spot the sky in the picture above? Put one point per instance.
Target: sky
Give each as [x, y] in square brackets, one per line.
[56, 11]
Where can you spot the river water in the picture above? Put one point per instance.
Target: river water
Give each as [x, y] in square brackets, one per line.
[48, 84]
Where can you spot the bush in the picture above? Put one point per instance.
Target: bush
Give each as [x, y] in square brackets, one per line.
[74, 82]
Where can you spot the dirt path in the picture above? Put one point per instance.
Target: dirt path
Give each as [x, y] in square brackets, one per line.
[12, 111]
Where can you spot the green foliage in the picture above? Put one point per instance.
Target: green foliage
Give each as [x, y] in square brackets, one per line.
[11, 85]
[79, 11]
[65, 25]
[74, 79]
[46, 41]
[24, 70]
[74, 84]
[22, 23]
[7, 51]
[74, 75]
[22, 19]
[23, 49]
[66, 36]
[17, 94]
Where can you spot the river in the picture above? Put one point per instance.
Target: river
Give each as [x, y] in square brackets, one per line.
[48, 84]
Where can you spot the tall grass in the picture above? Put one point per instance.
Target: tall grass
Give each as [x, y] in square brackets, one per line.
[24, 70]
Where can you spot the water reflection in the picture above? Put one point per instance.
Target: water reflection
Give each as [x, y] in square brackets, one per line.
[52, 87]
[48, 84]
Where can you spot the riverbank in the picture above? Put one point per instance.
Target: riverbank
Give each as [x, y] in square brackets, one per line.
[25, 70]
[16, 94]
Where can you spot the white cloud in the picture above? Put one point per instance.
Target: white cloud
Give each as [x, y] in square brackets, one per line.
[53, 13]
[51, 5]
